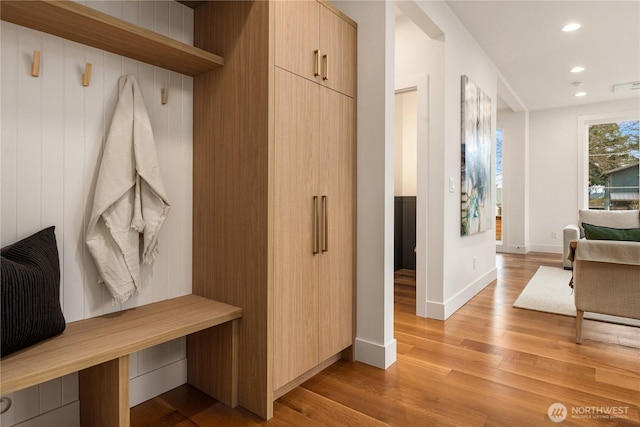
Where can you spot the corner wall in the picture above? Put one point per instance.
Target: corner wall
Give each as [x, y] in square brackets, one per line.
[375, 344]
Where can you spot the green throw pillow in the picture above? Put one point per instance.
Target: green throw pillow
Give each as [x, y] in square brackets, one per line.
[596, 232]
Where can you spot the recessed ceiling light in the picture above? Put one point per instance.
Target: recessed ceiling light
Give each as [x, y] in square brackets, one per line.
[571, 27]
[579, 94]
[577, 69]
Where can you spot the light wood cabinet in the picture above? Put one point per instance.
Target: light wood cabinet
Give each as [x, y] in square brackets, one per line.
[338, 46]
[338, 186]
[297, 42]
[274, 189]
[315, 41]
[297, 122]
[313, 224]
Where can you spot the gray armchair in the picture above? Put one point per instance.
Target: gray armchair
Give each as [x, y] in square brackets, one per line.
[615, 219]
[606, 279]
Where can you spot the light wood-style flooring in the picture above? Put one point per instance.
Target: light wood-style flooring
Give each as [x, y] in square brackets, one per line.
[489, 364]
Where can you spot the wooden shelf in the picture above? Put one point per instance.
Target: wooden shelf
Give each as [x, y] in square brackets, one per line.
[82, 24]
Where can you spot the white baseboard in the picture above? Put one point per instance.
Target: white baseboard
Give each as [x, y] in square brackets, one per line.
[156, 382]
[435, 310]
[374, 354]
[550, 249]
[442, 311]
[515, 249]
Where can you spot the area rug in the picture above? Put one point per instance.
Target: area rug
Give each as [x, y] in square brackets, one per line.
[549, 291]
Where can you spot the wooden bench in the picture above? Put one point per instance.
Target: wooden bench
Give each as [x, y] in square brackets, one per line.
[99, 348]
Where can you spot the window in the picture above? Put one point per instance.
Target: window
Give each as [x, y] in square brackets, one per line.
[613, 171]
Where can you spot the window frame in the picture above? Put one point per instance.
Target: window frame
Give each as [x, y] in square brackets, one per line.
[583, 147]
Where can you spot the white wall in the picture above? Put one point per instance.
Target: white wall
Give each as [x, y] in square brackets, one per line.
[554, 153]
[53, 131]
[406, 143]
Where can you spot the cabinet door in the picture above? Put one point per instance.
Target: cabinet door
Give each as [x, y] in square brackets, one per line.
[338, 43]
[295, 310]
[296, 28]
[337, 183]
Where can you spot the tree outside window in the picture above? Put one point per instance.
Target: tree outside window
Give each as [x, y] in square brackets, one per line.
[614, 174]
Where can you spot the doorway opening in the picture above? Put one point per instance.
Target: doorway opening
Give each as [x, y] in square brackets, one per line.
[419, 71]
[405, 186]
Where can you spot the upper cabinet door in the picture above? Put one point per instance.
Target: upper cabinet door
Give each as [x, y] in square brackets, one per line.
[314, 42]
[297, 40]
[338, 47]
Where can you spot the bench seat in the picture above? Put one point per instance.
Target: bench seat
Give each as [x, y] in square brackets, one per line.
[99, 347]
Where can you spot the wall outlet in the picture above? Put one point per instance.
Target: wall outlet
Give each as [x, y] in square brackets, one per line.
[452, 185]
[554, 235]
[474, 262]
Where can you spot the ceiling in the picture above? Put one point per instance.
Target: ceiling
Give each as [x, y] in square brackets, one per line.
[525, 41]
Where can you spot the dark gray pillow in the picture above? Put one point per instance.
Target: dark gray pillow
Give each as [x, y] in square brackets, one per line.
[31, 309]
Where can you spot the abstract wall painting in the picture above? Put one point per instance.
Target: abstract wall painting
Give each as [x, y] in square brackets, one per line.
[475, 188]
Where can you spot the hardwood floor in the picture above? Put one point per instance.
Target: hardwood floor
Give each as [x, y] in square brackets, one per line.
[489, 364]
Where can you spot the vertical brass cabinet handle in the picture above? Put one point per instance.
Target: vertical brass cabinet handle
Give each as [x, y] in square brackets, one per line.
[317, 71]
[325, 61]
[325, 230]
[316, 245]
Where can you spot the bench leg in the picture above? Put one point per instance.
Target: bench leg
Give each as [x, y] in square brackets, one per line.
[579, 317]
[104, 394]
[212, 356]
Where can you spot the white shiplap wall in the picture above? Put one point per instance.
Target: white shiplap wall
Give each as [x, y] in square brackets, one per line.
[52, 134]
